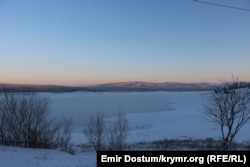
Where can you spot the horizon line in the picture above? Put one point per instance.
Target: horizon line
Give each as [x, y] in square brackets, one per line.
[103, 83]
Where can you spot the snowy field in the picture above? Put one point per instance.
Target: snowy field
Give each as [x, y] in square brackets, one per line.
[152, 116]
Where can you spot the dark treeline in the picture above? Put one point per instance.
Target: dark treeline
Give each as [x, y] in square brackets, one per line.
[42, 89]
[109, 88]
[96, 89]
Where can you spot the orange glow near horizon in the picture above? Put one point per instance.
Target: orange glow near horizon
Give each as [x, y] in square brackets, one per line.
[94, 82]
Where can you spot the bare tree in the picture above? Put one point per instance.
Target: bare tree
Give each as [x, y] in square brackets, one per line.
[107, 135]
[229, 108]
[118, 132]
[64, 135]
[25, 121]
[95, 131]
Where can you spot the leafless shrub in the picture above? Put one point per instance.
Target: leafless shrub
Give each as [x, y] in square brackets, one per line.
[107, 135]
[25, 121]
[117, 132]
[64, 135]
[95, 131]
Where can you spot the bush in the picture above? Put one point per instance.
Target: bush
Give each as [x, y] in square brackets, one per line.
[95, 130]
[25, 121]
[64, 135]
[101, 136]
[117, 133]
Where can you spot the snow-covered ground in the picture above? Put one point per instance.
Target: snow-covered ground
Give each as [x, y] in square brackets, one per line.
[26, 157]
[152, 116]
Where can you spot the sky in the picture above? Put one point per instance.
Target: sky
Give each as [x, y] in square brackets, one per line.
[79, 42]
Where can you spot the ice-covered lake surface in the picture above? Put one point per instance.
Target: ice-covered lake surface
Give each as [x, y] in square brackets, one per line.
[80, 105]
[151, 115]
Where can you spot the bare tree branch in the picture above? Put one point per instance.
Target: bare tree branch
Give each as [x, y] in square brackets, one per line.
[229, 108]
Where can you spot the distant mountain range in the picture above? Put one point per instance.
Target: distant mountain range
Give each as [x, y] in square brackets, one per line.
[149, 86]
[119, 86]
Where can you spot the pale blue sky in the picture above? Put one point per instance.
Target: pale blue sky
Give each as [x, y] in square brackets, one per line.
[76, 42]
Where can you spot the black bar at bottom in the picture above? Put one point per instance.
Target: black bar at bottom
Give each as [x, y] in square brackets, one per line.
[172, 158]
